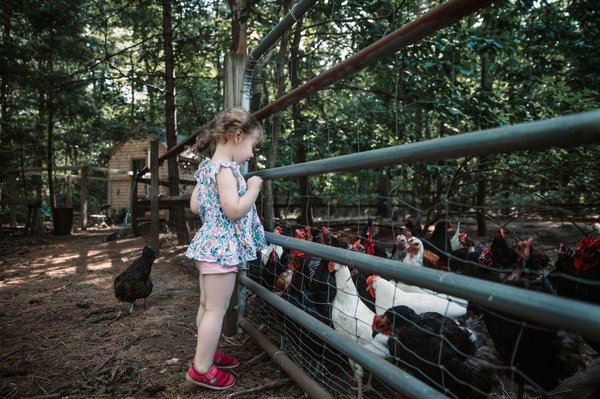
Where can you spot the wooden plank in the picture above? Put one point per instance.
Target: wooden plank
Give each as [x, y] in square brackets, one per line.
[154, 188]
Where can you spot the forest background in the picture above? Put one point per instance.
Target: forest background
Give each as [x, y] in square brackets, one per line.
[79, 76]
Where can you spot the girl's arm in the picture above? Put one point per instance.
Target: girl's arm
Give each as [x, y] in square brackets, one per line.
[234, 206]
[194, 199]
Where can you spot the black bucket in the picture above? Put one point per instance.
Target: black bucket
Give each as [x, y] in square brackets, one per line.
[62, 218]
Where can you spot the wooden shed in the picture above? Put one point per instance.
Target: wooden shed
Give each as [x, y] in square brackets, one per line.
[133, 155]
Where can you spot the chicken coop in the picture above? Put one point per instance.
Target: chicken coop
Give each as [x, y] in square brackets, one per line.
[420, 301]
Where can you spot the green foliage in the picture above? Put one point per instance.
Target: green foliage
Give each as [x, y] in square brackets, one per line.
[102, 64]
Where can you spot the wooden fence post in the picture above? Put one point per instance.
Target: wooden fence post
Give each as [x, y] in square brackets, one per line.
[232, 96]
[12, 189]
[84, 197]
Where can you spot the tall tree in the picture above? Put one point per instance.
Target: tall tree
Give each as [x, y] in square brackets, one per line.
[171, 119]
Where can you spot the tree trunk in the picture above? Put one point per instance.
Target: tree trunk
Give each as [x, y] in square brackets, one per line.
[480, 199]
[177, 215]
[268, 208]
[384, 203]
[238, 27]
[306, 217]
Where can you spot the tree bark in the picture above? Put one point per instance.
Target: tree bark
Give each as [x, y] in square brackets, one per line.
[268, 208]
[177, 213]
[480, 199]
[306, 216]
[238, 28]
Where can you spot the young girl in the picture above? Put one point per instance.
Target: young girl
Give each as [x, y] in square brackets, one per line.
[231, 234]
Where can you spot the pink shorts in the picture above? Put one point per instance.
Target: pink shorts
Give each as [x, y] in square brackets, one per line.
[214, 268]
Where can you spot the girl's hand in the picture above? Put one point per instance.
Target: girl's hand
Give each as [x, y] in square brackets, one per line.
[255, 182]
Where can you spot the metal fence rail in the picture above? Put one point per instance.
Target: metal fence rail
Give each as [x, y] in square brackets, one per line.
[565, 131]
[387, 372]
[550, 310]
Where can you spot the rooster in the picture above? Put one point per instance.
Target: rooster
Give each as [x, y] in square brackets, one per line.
[387, 294]
[435, 349]
[352, 318]
[135, 283]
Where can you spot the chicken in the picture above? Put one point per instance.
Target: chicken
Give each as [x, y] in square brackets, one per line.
[135, 283]
[587, 264]
[582, 385]
[414, 252]
[300, 294]
[399, 251]
[367, 240]
[562, 277]
[412, 229]
[465, 258]
[417, 255]
[577, 274]
[271, 263]
[436, 350]
[502, 254]
[439, 241]
[538, 355]
[295, 262]
[352, 318]
[388, 295]
[366, 244]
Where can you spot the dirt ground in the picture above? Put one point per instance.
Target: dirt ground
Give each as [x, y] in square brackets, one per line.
[64, 334]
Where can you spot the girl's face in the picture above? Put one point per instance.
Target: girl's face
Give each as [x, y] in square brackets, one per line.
[244, 146]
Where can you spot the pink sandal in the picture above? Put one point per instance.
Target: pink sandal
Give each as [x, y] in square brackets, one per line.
[213, 379]
[224, 361]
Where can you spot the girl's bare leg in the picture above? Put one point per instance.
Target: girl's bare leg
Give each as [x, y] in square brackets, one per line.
[217, 289]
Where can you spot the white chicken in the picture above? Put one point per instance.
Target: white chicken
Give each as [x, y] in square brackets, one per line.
[388, 295]
[352, 318]
[414, 252]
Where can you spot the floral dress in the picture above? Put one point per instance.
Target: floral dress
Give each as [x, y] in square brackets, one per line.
[220, 239]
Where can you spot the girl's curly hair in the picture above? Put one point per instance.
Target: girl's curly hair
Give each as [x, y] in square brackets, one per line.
[225, 125]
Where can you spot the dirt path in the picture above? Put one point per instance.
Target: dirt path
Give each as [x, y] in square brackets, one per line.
[63, 333]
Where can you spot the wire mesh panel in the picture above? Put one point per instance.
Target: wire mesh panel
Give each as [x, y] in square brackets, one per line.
[509, 209]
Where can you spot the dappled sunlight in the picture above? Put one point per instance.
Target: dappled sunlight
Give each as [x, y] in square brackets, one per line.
[61, 272]
[99, 266]
[62, 258]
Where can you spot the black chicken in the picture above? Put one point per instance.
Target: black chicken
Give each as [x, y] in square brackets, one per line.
[271, 262]
[311, 289]
[135, 283]
[582, 385]
[464, 260]
[435, 349]
[439, 241]
[576, 274]
[563, 276]
[366, 244]
[538, 355]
